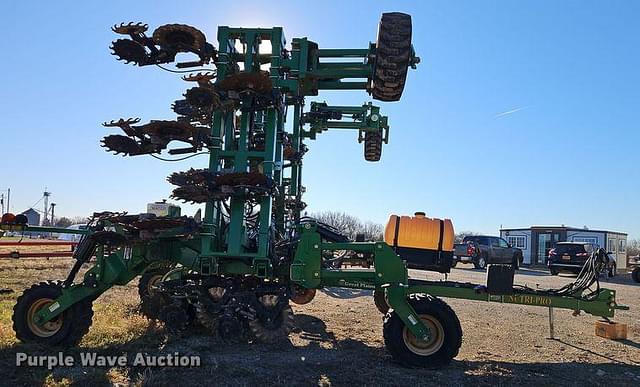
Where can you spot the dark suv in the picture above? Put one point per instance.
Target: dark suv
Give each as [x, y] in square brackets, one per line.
[569, 257]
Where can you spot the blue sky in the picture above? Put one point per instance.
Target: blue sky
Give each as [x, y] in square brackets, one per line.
[567, 71]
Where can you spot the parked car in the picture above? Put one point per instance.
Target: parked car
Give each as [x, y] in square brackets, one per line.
[482, 250]
[571, 257]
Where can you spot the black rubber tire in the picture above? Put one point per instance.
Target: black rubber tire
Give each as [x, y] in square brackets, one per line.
[454, 263]
[480, 263]
[75, 321]
[393, 52]
[380, 301]
[452, 332]
[151, 305]
[635, 274]
[613, 270]
[372, 146]
[516, 262]
[553, 271]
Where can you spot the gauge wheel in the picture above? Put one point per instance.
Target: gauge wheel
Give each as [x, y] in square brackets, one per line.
[381, 301]
[67, 329]
[393, 53]
[150, 302]
[445, 334]
[372, 146]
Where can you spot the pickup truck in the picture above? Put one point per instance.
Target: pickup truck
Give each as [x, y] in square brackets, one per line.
[482, 250]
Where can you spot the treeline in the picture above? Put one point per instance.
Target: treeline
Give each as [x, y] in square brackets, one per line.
[63, 221]
[350, 225]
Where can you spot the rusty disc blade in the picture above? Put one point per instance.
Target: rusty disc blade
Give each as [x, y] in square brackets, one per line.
[255, 81]
[129, 51]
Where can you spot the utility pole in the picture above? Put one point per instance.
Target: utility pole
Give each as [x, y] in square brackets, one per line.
[46, 206]
[2, 204]
[53, 206]
[8, 199]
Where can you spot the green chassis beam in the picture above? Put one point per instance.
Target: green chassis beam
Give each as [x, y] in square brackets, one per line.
[390, 274]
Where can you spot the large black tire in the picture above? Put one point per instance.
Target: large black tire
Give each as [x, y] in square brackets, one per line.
[635, 274]
[66, 330]
[380, 300]
[446, 334]
[372, 146]
[151, 303]
[553, 271]
[393, 52]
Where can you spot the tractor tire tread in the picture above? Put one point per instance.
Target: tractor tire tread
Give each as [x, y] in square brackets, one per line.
[424, 304]
[393, 52]
[78, 317]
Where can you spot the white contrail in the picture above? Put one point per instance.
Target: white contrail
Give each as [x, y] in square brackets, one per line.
[509, 112]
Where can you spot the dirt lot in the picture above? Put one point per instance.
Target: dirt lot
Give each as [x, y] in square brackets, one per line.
[338, 342]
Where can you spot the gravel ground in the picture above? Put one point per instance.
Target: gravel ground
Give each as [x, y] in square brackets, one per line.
[338, 341]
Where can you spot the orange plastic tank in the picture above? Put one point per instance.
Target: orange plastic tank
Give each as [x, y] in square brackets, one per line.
[425, 243]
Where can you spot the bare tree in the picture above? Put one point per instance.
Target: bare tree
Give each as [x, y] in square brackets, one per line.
[79, 220]
[350, 225]
[633, 247]
[461, 235]
[372, 231]
[63, 222]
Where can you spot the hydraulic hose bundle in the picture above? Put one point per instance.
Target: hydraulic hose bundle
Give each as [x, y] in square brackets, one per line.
[582, 287]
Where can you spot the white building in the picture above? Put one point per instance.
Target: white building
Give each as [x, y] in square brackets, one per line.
[536, 241]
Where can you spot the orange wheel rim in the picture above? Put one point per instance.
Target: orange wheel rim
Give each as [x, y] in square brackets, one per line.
[422, 347]
[47, 329]
[152, 284]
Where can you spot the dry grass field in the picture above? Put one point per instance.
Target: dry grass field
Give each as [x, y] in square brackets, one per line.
[338, 341]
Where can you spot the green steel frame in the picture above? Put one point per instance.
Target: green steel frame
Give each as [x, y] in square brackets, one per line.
[304, 72]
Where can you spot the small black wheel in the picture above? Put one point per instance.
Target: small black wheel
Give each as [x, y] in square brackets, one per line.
[480, 262]
[150, 302]
[65, 330]
[553, 271]
[444, 326]
[176, 316]
[380, 300]
[516, 262]
[274, 320]
[454, 263]
[613, 270]
[393, 52]
[635, 274]
[372, 146]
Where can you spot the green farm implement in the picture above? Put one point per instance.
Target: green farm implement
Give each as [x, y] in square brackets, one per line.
[235, 268]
